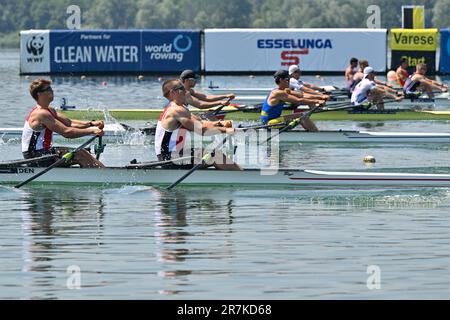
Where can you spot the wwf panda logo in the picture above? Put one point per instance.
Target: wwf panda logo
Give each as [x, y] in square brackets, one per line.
[35, 45]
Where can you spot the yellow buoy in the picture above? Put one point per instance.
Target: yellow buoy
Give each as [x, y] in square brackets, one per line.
[370, 159]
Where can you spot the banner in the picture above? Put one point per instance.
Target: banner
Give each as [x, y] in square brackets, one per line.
[247, 50]
[413, 17]
[416, 45]
[444, 61]
[84, 51]
[35, 51]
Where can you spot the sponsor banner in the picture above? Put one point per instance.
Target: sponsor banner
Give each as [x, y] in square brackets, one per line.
[170, 51]
[414, 57]
[444, 61]
[246, 50]
[35, 51]
[94, 51]
[416, 45]
[78, 51]
[414, 39]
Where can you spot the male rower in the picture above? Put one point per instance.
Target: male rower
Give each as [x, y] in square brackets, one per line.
[367, 90]
[174, 123]
[43, 120]
[359, 76]
[309, 90]
[200, 100]
[276, 100]
[402, 72]
[350, 72]
[418, 83]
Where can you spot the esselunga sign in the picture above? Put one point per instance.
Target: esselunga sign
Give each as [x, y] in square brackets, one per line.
[318, 50]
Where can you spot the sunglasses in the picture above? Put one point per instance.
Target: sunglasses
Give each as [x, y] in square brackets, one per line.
[49, 89]
[179, 88]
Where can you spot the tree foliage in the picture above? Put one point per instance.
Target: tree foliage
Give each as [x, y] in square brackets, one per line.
[16, 15]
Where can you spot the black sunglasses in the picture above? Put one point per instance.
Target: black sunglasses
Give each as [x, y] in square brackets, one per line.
[49, 89]
[179, 87]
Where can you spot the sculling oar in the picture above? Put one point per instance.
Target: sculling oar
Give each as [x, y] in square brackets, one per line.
[205, 158]
[293, 123]
[215, 112]
[99, 148]
[65, 158]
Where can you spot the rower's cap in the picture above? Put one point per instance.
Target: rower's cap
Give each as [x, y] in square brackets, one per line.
[281, 74]
[368, 70]
[294, 68]
[188, 74]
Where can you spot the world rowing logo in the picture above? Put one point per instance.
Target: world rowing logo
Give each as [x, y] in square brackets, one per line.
[170, 51]
[35, 45]
[179, 40]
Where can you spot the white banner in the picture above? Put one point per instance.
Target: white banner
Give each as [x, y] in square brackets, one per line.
[315, 50]
[35, 51]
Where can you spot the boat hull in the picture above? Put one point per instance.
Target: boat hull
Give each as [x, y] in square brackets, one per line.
[284, 177]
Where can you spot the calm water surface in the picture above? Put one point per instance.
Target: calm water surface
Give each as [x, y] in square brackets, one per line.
[138, 242]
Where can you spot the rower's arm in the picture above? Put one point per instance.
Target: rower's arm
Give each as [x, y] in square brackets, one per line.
[191, 123]
[311, 86]
[74, 123]
[211, 98]
[283, 96]
[193, 101]
[434, 83]
[66, 131]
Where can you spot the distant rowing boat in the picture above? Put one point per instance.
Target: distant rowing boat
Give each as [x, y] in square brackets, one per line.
[282, 177]
[254, 115]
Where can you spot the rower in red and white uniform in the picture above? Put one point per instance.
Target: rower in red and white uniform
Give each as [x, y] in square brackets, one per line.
[367, 90]
[176, 120]
[43, 120]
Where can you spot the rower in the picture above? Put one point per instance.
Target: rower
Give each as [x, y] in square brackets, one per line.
[200, 100]
[402, 72]
[176, 120]
[350, 72]
[277, 99]
[367, 90]
[359, 76]
[417, 83]
[43, 120]
[309, 90]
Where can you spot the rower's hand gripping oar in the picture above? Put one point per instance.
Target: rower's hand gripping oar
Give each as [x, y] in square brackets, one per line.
[204, 159]
[216, 111]
[65, 158]
[293, 123]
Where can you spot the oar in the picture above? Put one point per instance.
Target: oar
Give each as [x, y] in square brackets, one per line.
[216, 111]
[293, 123]
[205, 158]
[151, 164]
[65, 158]
[99, 148]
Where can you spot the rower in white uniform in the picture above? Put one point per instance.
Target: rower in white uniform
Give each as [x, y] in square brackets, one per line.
[367, 90]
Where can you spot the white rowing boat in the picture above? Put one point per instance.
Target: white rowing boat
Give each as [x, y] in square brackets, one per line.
[117, 132]
[282, 177]
[422, 103]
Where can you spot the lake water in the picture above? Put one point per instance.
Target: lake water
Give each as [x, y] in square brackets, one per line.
[137, 242]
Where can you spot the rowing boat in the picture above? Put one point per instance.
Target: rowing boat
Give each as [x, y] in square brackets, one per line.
[422, 103]
[282, 177]
[253, 115]
[117, 132]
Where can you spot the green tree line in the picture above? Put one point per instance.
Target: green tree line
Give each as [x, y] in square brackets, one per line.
[16, 15]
